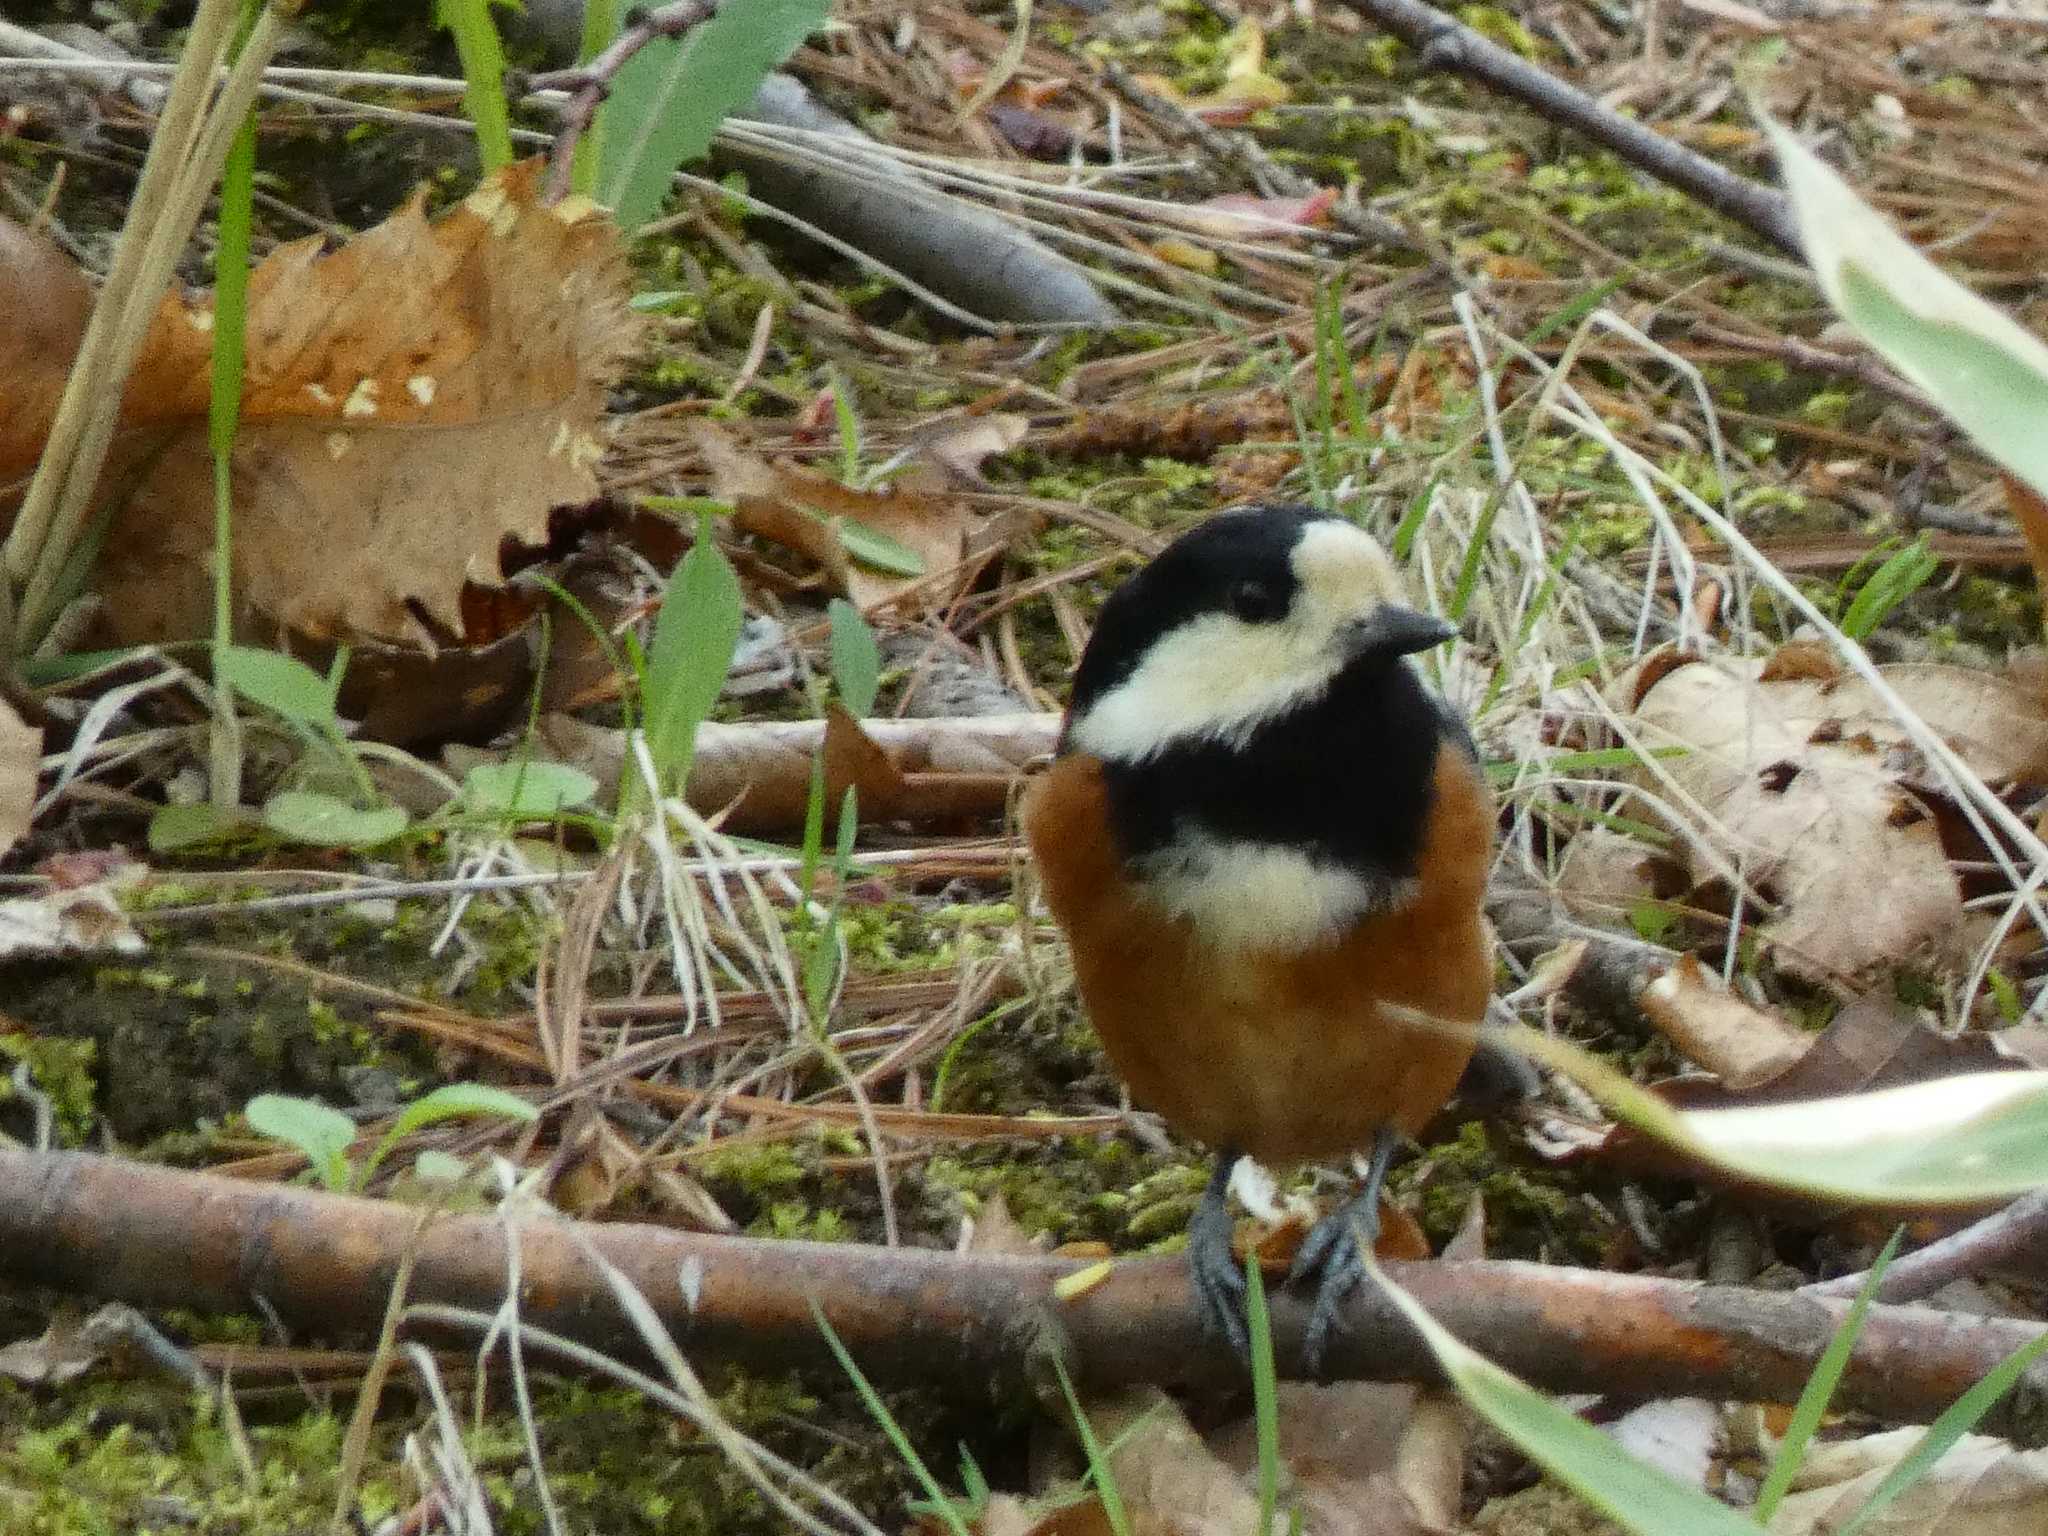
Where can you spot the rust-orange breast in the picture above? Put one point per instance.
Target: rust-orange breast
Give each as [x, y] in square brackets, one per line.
[1288, 1056]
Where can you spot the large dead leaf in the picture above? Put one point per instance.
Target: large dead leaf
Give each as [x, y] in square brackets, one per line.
[1982, 1487]
[1360, 1458]
[1821, 796]
[1874, 1042]
[414, 402]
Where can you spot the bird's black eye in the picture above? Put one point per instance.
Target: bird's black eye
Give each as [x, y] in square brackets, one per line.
[1255, 602]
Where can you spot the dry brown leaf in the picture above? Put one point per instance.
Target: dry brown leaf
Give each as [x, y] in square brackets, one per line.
[47, 301]
[797, 509]
[1873, 1042]
[2030, 511]
[956, 445]
[759, 773]
[1605, 873]
[1362, 1458]
[60, 920]
[62, 1352]
[414, 402]
[21, 749]
[995, 1233]
[1981, 1487]
[1719, 1031]
[1679, 1436]
[1819, 813]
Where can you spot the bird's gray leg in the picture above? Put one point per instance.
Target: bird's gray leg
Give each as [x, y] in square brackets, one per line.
[1331, 1251]
[1212, 1260]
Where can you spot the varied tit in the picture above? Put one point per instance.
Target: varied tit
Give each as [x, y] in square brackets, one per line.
[1268, 844]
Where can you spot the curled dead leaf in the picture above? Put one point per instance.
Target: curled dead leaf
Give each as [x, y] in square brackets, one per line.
[47, 301]
[817, 518]
[1720, 1031]
[1980, 1487]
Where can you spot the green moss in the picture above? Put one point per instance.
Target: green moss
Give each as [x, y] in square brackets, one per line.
[1989, 611]
[135, 1457]
[1527, 1215]
[63, 1071]
[793, 1219]
[760, 1171]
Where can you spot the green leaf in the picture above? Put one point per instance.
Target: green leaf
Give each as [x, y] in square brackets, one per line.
[177, 827]
[1988, 373]
[323, 1134]
[1640, 1496]
[231, 288]
[282, 684]
[453, 1102]
[877, 551]
[856, 658]
[671, 96]
[526, 790]
[1906, 572]
[483, 68]
[325, 821]
[695, 635]
[1963, 1141]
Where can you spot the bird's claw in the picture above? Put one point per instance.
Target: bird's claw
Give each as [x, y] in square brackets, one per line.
[1334, 1253]
[1212, 1257]
[1219, 1281]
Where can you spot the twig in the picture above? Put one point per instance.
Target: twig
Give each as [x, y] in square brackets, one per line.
[2017, 1234]
[1247, 155]
[589, 85]
[1449, 44]
[162, 1236]
[1867, 371]
[1853, 10]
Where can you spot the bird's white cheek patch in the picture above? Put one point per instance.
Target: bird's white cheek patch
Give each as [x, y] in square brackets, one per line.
[1212, 679]
[1251, 896]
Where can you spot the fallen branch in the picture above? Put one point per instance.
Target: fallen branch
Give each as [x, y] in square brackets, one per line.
[758, 773]
[2015, 1237]
[156, 1236]
[1446, 43]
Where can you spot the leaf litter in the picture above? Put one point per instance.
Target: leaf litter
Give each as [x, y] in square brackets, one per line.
[1822, 867]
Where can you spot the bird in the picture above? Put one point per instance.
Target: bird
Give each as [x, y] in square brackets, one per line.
[1267, 843]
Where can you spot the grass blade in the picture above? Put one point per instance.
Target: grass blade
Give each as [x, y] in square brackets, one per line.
[878, 1410]
[1265, 1392]
[483, 68]
[1957, 1420]
[1636, 1494]
[1098, 1459]
[1820, 1388]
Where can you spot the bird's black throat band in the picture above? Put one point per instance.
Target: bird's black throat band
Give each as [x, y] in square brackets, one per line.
[1346, 779]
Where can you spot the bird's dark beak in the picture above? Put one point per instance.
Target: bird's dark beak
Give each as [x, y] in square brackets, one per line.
[1394, 631]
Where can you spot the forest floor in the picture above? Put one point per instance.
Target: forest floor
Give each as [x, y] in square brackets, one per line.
[1404, 386]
